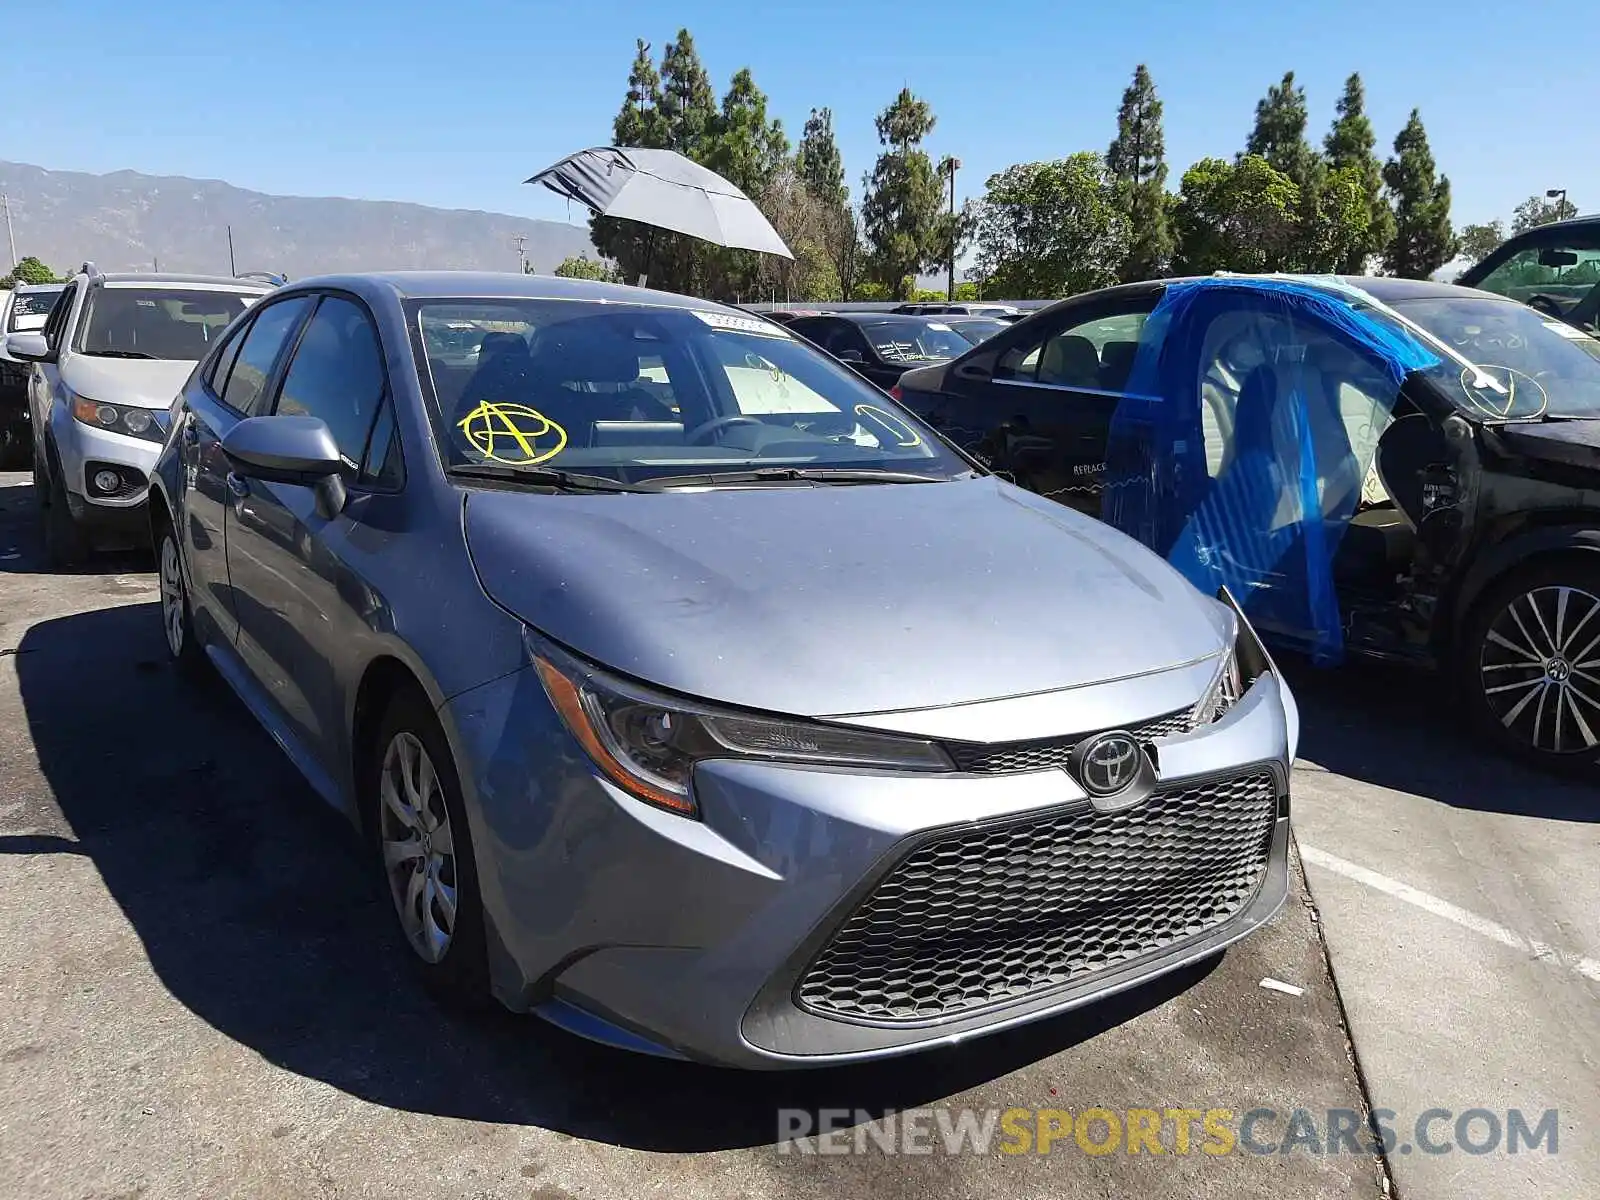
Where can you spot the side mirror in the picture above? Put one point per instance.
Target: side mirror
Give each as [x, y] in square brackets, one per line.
[29, 347]
[851, 358]
[293, 450]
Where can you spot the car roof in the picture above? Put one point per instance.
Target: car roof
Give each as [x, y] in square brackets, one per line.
[1382, 288]
[505, 285]
[174, 279]
[861, 318]
[38, 287]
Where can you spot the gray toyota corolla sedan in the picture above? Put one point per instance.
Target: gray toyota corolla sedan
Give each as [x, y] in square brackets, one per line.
[692, 693]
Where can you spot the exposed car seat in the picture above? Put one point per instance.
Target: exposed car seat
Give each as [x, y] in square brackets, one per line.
[1070, 361]
[1116, 364]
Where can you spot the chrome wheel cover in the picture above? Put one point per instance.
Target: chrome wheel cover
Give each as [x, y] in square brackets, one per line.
[171, 579]
[1540, 669]
[418, 849]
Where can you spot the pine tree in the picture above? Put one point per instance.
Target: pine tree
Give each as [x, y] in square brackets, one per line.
[747, 150]
[639, 123]
[688, 104]
[901, 211]
[1423, 240]
[1348, 146]
[818, 160]
[1136, 163]
[1279, 135]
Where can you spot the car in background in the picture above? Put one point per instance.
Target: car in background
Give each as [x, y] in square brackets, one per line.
[580, 655]
[786, 316]
[106, 367]
[1402, 469]
[880, 346]
[1554, 268]
[967, 308]
[976, 329]
[22, 309]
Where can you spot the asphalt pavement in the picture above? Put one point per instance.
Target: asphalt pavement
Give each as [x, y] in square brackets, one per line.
[201, 994]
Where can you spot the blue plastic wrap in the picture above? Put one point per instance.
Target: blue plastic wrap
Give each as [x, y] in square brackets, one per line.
[1240, 451]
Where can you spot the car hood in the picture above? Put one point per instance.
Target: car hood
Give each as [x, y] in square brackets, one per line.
[1575, 443]
[842, 599]
[143, 383]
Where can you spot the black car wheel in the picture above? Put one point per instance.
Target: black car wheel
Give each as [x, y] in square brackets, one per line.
[65, 542]
[177, 619]
[424, 851]
[1531, 662]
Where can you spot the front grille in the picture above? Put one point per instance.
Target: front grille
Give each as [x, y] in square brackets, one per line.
[1003, 758]
[994, 914]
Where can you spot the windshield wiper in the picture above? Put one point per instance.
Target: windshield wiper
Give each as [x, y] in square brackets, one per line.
[548, 476]
[799, 474]
[118, 354]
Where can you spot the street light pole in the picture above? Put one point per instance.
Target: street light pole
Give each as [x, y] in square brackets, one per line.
[233, 267]
[1561, 203]
[950, 288]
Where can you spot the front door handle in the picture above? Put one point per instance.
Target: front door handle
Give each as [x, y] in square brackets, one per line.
[191, 435]
[238, 485]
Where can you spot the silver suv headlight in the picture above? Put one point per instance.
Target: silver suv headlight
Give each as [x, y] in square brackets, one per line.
[126, 419]
[648, 742]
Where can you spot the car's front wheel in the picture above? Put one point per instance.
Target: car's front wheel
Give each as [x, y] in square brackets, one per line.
[177, 616]
[65, 542]
[1531, 662]
[425, 850]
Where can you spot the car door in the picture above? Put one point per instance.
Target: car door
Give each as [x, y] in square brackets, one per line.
[44, 379]
[300, 599]
[233, 388]
[1035, 404]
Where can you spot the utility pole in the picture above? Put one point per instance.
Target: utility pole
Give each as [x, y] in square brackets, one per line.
[233, 267]
[10, 234]
[522, 253]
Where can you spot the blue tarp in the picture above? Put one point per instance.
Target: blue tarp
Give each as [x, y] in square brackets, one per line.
[1249, 424]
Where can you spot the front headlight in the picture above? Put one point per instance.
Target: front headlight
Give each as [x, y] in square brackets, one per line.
[149, 424]
[648, 743]
[1246, 662]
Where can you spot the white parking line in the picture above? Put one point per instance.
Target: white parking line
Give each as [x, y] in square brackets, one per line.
[1589, 968]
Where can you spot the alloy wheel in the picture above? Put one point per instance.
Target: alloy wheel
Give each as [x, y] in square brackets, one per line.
[172, 600]
[418, 848]
[1539, 669]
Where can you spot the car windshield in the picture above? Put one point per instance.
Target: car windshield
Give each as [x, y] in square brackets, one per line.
[29, 309]
[634, 393]
[1538, 365]
[977, 329]
[914, 339]
[149, 322]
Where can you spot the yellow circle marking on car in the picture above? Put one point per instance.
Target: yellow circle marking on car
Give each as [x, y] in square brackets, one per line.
[490, 424]
[1510, 380]
[895, 424]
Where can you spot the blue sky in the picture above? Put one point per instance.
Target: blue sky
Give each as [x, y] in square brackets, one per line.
[454, 103]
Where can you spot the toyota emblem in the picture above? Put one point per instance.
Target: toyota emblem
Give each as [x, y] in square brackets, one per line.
[1107, 764]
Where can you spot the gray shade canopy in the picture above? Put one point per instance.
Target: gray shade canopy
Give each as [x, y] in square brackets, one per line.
[664, 189]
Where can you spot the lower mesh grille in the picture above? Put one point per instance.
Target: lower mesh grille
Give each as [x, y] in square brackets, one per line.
[996, 914]
[1001, 758]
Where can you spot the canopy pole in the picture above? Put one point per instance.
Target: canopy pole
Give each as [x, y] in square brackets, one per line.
[649, 254]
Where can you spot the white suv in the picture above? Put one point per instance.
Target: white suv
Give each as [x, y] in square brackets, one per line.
[22, 309]
[115, 352]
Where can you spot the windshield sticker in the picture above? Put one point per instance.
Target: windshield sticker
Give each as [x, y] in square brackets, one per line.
[906, 437]
[1511, 393]
[510, 434]
[1567, 331]
[736, 324]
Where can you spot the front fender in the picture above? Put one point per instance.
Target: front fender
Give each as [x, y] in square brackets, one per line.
[1496, 560]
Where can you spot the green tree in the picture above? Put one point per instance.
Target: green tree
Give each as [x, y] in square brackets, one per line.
[1334, 224]
[1541, 210]
[1136, 162]
[642, 123]
[1050, 229]
[1279, 135]
[902, 212]
[578, 266]
[1477, 242]
[1349, 147]
[688, 104]
[29, 270]
[1423, 240]
[1239, 216]
[747, 149]
[818, 161]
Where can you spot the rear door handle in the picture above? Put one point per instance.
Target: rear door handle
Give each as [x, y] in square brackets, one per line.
[191, 435]
[238, 485]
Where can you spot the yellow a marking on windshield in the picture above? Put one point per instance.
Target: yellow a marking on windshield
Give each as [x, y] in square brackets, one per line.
[895, 424]
[490, 423]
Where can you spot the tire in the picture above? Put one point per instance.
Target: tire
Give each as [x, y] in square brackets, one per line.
[1530, 664]
[177, 615]
[65, 542]
[455, 971]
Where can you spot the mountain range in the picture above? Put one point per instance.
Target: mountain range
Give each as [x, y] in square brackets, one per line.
[128, 221]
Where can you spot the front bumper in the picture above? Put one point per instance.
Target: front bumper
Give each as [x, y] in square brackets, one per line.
[688, 938]
[80, 449]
